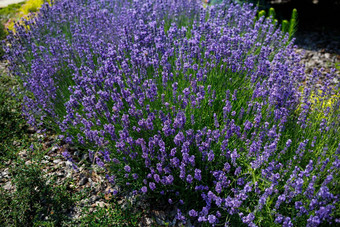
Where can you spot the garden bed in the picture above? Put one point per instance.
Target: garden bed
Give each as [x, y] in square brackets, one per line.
[206, 110]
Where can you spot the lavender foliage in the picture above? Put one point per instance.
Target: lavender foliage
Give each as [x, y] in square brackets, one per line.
[205, 107]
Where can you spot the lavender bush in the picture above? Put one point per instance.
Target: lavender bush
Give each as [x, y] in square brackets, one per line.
[206, 107]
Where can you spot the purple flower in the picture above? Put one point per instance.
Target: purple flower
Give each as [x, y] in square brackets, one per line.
[211, 156]
[248, 219]
[189, 178]
[218, 187]
[212, 219]
[279, 219]
[152, 186]
[156, 177]
[313, 221]
[144, 189]
[169, 179]
[193, 213]
[287, 222]
[127, 168]
[100, 163]
[179, 138]
[198, 174]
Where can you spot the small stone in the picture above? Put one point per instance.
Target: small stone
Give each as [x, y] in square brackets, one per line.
[69, 174]
[84, 202]
[4, 173]
[132, 199]
[83, 181]
[57, 161]
[23, 153]
[60, 174]
[94, 198]
[91, 182]
[81, 168]
[8, 186]
[61, 164]
[69, 164]
[31, 130]
[148, 221]
[16, 143]
[54, 149]
[100, 204]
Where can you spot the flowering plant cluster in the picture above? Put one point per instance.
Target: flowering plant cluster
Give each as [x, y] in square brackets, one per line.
[201, 106]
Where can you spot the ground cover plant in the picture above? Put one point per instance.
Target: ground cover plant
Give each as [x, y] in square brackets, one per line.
[33, 199]
[207, 108]
[29, 196]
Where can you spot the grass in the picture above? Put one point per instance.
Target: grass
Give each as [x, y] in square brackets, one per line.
[34, 198]
[11, 122]
[112, 215]
[34, 201]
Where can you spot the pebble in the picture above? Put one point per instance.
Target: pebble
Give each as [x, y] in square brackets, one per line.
[23, 153]
[8, 186]
[54, 149]
[83, 181]
[31, 130]
[57, 161]
[94, 198]
[148, 221]
[69, 164]
[16, 143]
[60, 174]
[100, 204]
[4, 173]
